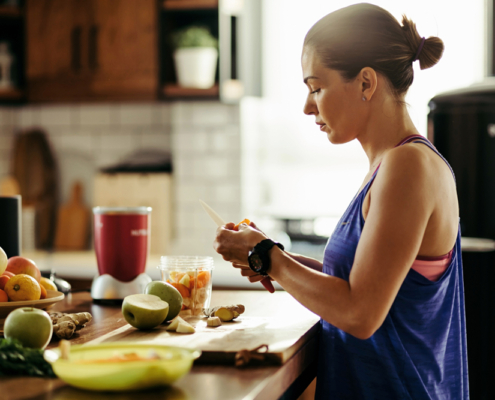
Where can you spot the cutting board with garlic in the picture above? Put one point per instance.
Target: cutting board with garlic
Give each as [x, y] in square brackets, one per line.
[284, 334]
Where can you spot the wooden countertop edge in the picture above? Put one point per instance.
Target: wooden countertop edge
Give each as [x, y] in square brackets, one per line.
[302, 365]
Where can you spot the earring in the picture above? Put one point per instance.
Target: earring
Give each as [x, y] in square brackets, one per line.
[364, 98]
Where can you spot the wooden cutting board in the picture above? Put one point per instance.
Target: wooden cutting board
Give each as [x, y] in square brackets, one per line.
[72, 231]
[285, 326]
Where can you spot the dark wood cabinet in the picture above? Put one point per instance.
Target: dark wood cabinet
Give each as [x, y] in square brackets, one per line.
[91, 50]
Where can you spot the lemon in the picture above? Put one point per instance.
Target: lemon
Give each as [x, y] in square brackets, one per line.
[48, 284]
[3, 261]
[22, 287]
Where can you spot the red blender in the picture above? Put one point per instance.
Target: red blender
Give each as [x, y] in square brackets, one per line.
[122, 236]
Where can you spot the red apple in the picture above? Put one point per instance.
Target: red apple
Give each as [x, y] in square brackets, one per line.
[9, 274]
[21, 265]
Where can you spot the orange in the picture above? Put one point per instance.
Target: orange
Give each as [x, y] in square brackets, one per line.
[183, 290]
[47, 284]
[203, 278]
[43, 292]
[244, 221]
[23, 287]
[3, 280]
[3, 296]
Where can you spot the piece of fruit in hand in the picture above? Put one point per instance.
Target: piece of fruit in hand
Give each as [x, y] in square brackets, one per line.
[244, 221]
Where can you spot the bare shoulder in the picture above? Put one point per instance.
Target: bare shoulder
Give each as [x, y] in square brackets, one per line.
[407, 166]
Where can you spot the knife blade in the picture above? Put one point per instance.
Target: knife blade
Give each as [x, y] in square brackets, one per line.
[266, 282]
[213, 215]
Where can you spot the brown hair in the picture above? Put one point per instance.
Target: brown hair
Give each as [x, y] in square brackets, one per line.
[365, 35]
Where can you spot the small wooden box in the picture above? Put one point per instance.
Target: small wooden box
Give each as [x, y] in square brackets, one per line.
[135, 190]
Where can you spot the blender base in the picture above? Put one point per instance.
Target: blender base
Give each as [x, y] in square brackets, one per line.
[107, 289]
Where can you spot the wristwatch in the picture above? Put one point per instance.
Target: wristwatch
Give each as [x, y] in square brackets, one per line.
[259, 259]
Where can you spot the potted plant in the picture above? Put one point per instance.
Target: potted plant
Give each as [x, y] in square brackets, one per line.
[195, 57]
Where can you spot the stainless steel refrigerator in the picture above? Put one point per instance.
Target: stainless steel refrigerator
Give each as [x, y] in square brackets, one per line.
[461, 124]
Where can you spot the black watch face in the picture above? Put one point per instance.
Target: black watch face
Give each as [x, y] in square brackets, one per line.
[255, 262]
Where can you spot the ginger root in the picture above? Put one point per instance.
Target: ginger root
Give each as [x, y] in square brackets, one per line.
[225, 313]
[64, 325]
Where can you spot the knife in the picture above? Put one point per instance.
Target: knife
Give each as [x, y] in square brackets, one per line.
[266, 282]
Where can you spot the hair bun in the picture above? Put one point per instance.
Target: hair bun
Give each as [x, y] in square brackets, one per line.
[432, 48]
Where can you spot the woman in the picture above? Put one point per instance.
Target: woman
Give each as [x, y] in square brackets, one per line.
[390, 290]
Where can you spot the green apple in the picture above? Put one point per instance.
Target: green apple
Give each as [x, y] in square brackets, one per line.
[31, 326]
[144, 311]
[3, 261]
[168, 293]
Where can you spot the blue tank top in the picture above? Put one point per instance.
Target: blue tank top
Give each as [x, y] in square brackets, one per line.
[420, 350]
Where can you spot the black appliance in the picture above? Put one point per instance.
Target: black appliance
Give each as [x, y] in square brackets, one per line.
[461, 124]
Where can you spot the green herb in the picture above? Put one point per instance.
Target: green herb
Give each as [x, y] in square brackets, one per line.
[194, 36]
[18, 360]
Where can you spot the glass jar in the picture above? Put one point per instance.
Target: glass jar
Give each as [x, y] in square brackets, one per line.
[192, 277]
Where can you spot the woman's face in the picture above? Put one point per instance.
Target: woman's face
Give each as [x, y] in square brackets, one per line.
[335, 103]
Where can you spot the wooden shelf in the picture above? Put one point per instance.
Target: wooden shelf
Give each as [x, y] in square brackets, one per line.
[189, 4]
[10, 11]
[173, 90]
[10, 94]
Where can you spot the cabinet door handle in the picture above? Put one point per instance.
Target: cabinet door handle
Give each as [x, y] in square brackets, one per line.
[75, 40]
[93, 47]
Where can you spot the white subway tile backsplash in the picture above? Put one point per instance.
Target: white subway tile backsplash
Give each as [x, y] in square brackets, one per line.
[208, 113]
[28, 117]
[203, 137]
[99, 115]
[7, 117]
[83, 143]
[162, 115]
[190, 193]
[137, 114]
[117, 142]
[183, 169]
[217, 168]
[106, 159]
[227, 192]
[159, 140]
[225, 140]
[180, 114]
[6, 143]
[56, 115]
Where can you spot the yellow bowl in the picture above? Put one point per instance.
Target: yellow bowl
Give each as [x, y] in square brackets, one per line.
[174, 362]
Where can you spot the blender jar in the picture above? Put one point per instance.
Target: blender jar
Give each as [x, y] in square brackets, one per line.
[191, 276]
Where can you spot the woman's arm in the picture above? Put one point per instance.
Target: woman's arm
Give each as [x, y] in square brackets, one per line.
[400, 208]
[307, 261]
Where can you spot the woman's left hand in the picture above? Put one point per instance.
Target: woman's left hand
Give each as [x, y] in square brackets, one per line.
[234, 246]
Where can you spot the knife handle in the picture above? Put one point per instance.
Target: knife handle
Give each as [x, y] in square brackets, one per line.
[267, 283]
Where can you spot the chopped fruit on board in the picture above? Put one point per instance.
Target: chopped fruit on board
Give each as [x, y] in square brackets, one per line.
[225, 313]
[180, 325]
[213, 322]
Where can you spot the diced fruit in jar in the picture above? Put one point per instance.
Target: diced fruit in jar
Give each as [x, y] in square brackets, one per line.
[185, 280]
[201, 296]
[203, 279]
[183, 290]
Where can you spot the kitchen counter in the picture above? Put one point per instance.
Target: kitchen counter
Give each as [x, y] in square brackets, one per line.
[81, 265]
[205, 381]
